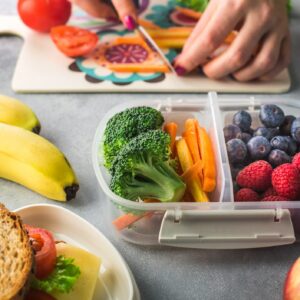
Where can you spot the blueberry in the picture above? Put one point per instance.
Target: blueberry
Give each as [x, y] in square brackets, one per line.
[243, 120]
[237, 150]
[271, 115]
[292, 146]
[268, 133]
[285, 128]
[295, 130]
[278, 157]
[230, 132]
[245, 137]
[235, 169]
[259, 147]
[280, 142]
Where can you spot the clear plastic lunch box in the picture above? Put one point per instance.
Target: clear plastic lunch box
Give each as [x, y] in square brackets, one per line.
[220, 223]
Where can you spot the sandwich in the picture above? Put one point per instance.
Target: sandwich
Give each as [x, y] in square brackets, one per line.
[34, 266]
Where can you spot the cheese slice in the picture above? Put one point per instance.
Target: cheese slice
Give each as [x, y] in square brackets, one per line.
[89, 265]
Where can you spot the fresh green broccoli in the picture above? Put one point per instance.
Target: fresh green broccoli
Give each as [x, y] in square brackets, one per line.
[197, 5]
[124, 126]
[142, 170]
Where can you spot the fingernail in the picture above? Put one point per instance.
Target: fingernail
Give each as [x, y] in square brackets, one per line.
[180, 70]
[129, 22]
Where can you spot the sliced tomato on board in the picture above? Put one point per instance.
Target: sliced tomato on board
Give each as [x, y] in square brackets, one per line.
[74, 41]
[43, 244]
[34, 294]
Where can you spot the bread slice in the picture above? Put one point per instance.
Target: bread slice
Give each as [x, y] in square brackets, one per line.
[16, 256]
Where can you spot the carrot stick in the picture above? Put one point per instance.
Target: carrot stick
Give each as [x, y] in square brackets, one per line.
[147, 24]
[186, 162]
[190, 136]
[143, 68]
[171, 129]
[169, 33]
[189, 12]
[193, 172]
[126, 220]
[208, 158]
[176, 43]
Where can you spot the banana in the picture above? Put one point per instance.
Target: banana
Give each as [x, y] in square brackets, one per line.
[32, 161]
[15, 112]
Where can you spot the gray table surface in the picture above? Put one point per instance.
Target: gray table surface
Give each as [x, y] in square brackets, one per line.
[70, 120]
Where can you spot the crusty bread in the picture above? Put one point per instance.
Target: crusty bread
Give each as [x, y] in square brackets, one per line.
[16, 256]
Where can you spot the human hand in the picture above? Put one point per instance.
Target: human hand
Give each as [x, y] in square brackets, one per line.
[125, 9]
[261, 49]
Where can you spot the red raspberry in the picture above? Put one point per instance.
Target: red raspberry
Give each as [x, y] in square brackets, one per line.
[275, 198]
[269, 192]
[246, 195]
[256, 176]
[286, 181]
[296, 161]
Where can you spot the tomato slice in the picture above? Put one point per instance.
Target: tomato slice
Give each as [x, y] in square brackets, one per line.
[74, 41]
[34, 294]
[45, 251]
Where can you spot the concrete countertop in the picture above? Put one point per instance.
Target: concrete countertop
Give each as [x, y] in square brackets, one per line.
[70, 121]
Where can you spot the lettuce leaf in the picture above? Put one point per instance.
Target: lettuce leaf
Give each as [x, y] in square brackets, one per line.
[197, 5]
[62, 279]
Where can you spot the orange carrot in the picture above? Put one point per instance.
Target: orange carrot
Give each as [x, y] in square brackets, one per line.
[135, 68]
[171, 129]
[176, 43]
[190, 136]
[186, 162]
[147, 24]
[169, 33]
[193, 172]
[126, 220]
[189, 12]
[208, 158]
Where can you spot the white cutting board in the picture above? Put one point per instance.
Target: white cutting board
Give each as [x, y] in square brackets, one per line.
[42, 68]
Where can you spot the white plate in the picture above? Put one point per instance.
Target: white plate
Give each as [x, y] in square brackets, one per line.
[115, 279]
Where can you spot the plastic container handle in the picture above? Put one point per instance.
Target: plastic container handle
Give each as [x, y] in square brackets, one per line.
[231, 229]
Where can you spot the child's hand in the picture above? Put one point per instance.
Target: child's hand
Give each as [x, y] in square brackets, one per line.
[261, 49]
[100, 9]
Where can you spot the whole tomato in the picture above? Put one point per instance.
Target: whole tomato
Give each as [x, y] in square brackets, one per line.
[42, 15]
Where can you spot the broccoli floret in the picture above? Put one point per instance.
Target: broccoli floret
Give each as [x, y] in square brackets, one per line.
[197, 5]
[142, 170]
[124, 126]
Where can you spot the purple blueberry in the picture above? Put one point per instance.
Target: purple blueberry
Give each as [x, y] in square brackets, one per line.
[278, 157]
[259, 147]
[292, 146]
[271, 115]
[280, 142]
[236, 150]
[230, 132]
[245, 137]
[285, 128]
[268, 133]
[295, 130]
[242, 119]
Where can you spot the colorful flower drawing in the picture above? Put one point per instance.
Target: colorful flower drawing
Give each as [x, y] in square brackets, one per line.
[95, 72]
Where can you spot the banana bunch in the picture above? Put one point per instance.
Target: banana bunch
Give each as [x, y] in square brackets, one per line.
[29, 159]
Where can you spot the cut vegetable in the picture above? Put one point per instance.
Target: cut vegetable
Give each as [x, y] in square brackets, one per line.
[186, 162]
[124, 221]
[135, 68]
[194, 171]
[171, 129]
[147, 24]
[190, 136]
[175, 43]
[208, 158]
[169, 33]
[189, 12]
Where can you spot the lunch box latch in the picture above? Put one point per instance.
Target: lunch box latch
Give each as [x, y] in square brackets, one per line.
[229, 229]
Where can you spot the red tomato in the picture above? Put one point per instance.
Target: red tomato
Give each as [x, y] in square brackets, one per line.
[42, 15]
[45, 251]
[34, 294]
[73, 41]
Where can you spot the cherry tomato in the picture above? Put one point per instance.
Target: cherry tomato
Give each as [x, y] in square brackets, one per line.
[73, 41]
[34, 294]
[45, 251]
[42, 15]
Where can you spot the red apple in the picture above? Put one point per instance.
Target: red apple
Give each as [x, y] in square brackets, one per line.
[292, 282]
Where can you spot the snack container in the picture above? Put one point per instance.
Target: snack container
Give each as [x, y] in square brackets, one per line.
[220, 223]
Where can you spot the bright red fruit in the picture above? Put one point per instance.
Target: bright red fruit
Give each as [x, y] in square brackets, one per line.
[246, 195]
[42, 15]
[275, 198]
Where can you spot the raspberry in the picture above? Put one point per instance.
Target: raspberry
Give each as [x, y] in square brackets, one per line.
[286, 181]
[275, 198]
[269, 192]
[256, 176]
[246, 195]
[296, 161]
